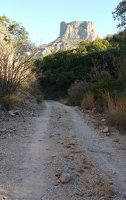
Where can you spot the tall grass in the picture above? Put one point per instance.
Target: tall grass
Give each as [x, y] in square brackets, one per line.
[117, 111]
[76, 92]
[88, 101]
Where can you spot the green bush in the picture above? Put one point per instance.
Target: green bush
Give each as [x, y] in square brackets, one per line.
[107, 83]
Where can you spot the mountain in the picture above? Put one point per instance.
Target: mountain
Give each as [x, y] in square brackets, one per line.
[70, 36]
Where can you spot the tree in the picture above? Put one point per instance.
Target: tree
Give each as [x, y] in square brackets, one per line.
[15, 30]
[98, 45]
[16, 55]
[120, 14]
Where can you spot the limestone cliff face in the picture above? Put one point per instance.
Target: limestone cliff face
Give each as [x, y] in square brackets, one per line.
[84, 30]
[70, 36]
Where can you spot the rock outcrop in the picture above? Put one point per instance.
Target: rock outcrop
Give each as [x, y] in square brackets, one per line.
[84, 30]
[70, 36]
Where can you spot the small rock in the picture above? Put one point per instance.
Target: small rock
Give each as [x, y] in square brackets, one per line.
[103, 120]
[111, 182]
[16, 112]
[3, 130]
[11, 113]
[105, 130]
[58, 173]
[65, 177]
[32, 114]
[4, 198]
[107, 134]
[123, 148]
[53, 155]
[56, 183]
[80, 193]
[93, 110]
[116, 140]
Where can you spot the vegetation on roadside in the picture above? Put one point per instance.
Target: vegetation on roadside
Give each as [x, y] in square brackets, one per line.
[92, 75]
[87, 74]
[17, 56]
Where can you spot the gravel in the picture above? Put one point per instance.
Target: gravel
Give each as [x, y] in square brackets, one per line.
[35, 150]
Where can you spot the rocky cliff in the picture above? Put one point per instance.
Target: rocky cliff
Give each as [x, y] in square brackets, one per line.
[84, 30]
[70, 36]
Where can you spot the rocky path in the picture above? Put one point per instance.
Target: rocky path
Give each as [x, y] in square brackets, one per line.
[58, 140]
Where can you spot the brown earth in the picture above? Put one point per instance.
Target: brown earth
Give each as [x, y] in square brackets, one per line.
[44, 141]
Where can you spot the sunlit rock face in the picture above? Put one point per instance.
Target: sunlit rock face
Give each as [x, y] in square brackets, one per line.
[84, 30]
[70, 36]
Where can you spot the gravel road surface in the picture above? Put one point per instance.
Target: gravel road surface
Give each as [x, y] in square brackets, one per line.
[37, 150]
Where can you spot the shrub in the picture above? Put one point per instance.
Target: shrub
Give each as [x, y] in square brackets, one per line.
[76, 92]
[13, 101]
[101, 86]
[118, 119]
[107, 83]
[39, 97]
[16, 57]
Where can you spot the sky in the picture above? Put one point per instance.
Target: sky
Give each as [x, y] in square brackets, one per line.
[42, 18]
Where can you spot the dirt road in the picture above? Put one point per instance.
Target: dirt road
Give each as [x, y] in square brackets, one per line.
[59, 140]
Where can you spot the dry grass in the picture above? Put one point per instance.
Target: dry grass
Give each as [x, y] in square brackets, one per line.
[26, 90]
[39, 97]
[31, 85]
[88, 101]
[13, 101]
[117, 103]
[63, 101]
[117, 111]
[76, 93]
[105, 188]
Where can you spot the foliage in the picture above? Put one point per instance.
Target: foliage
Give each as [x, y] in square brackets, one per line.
[107, 83]
[117, 110]
[94, 46]
[98, 45]
[90, 60]
[120, 14]
[14, 30]
[76, 92]
[39, 97]
[16, 56]
[91, 71]
[88, 73]
[14, 69]
[122, 73]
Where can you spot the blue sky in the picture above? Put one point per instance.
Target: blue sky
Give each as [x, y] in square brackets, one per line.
[42, 18]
